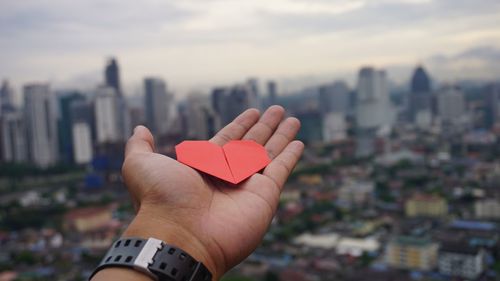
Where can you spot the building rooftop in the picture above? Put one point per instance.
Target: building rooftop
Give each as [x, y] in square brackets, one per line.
[458, 248]
[329, 240]
[412, 241]
[426, 197]
[473, 225]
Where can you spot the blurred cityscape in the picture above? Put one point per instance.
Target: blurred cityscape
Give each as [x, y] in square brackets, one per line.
[397, 182]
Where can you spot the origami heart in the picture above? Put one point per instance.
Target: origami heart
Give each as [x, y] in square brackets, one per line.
[233, 162]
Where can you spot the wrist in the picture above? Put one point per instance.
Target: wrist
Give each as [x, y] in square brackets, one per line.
[148, 223]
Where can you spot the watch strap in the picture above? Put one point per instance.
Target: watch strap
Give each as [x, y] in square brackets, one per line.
[155, 258]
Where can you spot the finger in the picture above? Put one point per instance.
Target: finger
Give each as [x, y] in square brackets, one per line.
[281, 166]
[237, 128]
[141, 141]
[283, 136]
[263, 130]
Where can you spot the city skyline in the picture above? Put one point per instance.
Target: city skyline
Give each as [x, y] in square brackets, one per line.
[195, 44]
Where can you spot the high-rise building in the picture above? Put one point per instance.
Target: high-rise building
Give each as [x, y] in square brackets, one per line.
[13, 138]
[230, 102]
[41, 124]
[311, 129]
[112, 75]
[83, 131]
[420, 82]
[334, 98]
[254, 86]
[137, 115]
[218, 99]
[82, 143]
[240, 98]
[374, 112]
[420, 98]
[451, 104]
[272, 92]
[65, 100]
[157, 105]
[373, 107]
[200, 120]
[334, 127]
[107, 115]
[491, 106]
[6, 97]
[112, 79]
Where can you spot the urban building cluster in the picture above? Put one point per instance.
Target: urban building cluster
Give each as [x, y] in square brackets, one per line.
[397, 182]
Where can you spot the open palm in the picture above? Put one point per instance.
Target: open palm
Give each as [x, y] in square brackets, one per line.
[221, 222]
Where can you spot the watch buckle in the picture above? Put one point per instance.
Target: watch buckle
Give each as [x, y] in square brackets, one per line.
[146, 255]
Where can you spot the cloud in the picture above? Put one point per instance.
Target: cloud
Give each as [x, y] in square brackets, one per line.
[479, 62]
[211, 41]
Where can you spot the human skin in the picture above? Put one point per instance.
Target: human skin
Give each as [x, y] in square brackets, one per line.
[217, 223]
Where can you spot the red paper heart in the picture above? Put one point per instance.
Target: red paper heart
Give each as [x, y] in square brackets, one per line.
[233, 162]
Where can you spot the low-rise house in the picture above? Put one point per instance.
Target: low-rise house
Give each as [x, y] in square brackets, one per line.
[487, 209]
[88, 219]
[357, 246]
[356, 194]
[92, 227]
[426, 206]
[354, 247]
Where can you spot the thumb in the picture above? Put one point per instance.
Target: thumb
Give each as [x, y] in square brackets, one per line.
[141, 141]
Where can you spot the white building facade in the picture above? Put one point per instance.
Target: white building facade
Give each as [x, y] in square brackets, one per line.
[107, 115]
[41, 124]
[82, 143]
[461, 261]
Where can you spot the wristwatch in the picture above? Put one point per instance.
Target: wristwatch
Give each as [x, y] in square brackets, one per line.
[158, 260]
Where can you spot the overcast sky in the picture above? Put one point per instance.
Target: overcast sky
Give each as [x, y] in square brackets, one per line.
[205, 42]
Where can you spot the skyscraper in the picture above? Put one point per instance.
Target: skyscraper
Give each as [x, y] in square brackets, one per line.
[82, 143]
[200, 119]
[240, 98]
[41, 124]
[13, 138]
[254, 87]
[65, 100]
[334, 127]
[157, 104]
[491, 99]
[420, 82]
[112, 80]
[6, 97]
[373, 107]
[82, 131]
[112, 75]
[231, 101]
[420, 99]
[84, 111]
[451, 104]
[272, 92]
[218, 98]
[334, 98]
[107, 115]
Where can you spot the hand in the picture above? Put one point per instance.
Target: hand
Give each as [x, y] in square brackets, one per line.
[216, 222]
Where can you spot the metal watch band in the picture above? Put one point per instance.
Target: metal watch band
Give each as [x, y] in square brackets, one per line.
[158, 260]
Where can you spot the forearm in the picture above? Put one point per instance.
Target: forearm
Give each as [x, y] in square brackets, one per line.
[146, 225]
